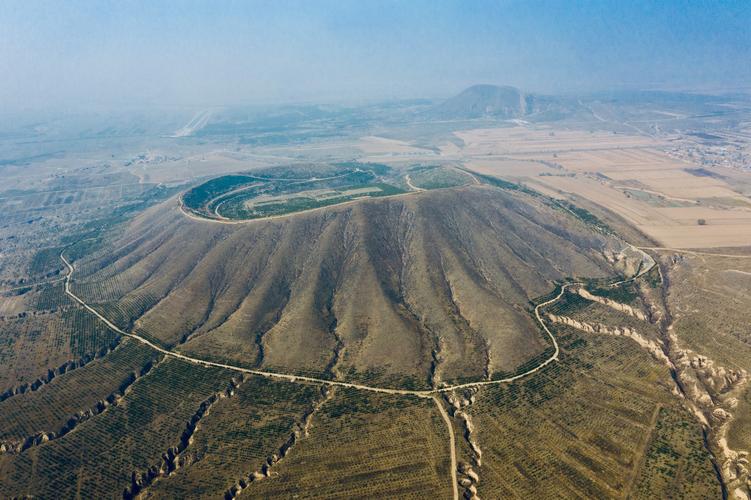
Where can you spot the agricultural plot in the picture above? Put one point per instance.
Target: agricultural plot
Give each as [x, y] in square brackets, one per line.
[374, 146]
[587, 421]
[52, 297]
[675, 461]
[29, 346]
[630, 175]
[47, 332]
[238, 438]
[63, 402]
[366, 445]
[105, 453]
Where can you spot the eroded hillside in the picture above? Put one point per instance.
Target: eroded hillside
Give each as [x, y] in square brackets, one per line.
[409, 291]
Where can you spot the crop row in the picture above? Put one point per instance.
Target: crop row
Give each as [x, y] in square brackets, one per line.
[48, 408]
[238, 436]
[104, 289]
[394, 452]
[591, 413]
[99, 458]
[52, 297]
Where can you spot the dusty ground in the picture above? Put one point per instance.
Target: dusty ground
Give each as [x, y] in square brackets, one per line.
[633, 176]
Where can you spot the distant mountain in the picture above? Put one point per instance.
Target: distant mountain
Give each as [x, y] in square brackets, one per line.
[481, 101]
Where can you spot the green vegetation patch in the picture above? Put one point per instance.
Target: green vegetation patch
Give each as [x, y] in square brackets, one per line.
[583, 214]
[200, 195]
[285, 190]
[625, 294]
[511, 186]
[239, 208]
[676, 460]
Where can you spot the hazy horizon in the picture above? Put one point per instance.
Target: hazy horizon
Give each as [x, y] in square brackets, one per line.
[199, 54]
[428, 249]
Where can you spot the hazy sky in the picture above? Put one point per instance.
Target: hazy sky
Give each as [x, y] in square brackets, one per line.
[64, 53]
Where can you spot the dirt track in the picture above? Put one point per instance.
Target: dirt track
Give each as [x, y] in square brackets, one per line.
[694, 252]
[313, 380]
[452, 441]
[411, 186]
[433, 394]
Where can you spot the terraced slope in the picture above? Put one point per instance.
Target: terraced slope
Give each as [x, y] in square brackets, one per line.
[408, 291]
[44, 332]
[105, 456]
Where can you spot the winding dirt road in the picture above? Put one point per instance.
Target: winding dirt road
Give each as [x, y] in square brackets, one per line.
[408, 180]
[452, 447]
[320, 381]
[433, 394]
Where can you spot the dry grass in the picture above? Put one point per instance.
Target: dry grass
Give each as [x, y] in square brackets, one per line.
[386, 284]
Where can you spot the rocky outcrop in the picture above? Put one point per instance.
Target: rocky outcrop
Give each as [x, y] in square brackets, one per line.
[705, 383]
[53, 373]
[629, 261]
[82, 416]
[469, 480]
[654, 348]
[712, 390]
[173, 458]
[624, 308]
[458, 408]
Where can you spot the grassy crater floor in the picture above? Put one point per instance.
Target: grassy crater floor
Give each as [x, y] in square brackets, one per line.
[295, 189]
